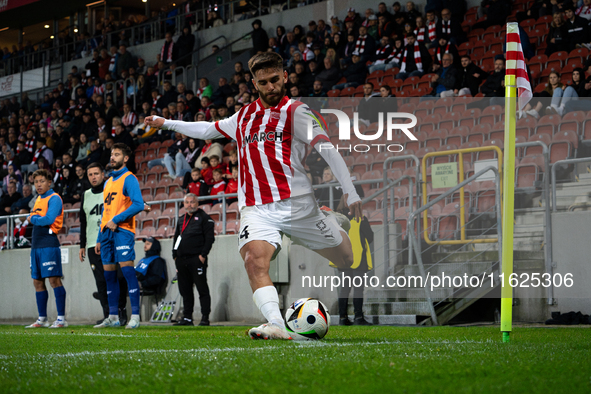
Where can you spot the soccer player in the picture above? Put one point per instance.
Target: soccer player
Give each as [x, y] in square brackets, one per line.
[275, 195]
[91, 209]
[115, 242]
[47, 218]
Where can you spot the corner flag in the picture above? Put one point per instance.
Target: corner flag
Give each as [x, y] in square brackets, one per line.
[516, 64]
[516, 85]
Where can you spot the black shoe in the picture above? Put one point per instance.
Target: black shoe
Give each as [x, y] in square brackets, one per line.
[204, 322]
[95, 295]
[123, 316]
[344, 321]
[184, 322]
[360, 321]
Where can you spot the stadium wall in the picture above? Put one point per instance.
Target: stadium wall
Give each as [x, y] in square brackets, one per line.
[229, 287]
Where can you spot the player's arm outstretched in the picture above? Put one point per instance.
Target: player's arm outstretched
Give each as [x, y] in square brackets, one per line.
[320, 141]
[201, 130]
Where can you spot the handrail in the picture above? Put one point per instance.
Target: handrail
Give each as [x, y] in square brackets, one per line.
[565, 161]
[460, 153]
[413, 216]
[547, 214]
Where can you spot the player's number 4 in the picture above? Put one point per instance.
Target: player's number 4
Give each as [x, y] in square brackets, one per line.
[244, 233]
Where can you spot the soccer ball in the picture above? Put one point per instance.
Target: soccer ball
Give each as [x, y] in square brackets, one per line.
[307, 319]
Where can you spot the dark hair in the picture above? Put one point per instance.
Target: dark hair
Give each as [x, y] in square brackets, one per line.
[388, 88]
[465, 56]
[369, 83]
[264, 61]
[44, 173]
[126, 150]
[96, 164]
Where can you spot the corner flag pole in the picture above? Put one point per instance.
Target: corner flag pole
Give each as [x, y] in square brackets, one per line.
[516, 84]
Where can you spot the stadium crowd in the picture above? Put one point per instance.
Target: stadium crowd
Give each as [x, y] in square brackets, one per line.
[371, 55]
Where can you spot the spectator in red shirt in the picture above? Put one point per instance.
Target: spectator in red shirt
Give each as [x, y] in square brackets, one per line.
[219, 185]
[214, 162]
[233, 163]
[232, 185]
[197, 185]
[206, 171]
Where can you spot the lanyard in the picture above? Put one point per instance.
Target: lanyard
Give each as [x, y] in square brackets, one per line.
[186, 224]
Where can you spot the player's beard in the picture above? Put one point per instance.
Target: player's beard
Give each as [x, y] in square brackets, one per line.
[274, 100]
[117, 165]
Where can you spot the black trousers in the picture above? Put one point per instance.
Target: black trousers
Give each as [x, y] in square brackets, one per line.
[345, 289]
[98, 271]
[192, 272]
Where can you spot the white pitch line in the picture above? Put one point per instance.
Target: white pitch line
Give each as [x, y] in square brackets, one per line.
[238, 349]
[90, 334]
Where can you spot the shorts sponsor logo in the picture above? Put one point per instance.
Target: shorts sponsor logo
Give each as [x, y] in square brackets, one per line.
[124, 253]
[124, 247]
[132, 291]
[47, 263]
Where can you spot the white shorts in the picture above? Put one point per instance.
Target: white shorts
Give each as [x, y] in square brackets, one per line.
[298, 217]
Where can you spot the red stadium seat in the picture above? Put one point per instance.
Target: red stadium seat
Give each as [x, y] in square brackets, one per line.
[563, 146]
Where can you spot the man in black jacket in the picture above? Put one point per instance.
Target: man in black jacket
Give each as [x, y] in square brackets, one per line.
[470, 78]
[494, 85]
[192, 242]
[576, 27]
[355, 73]
[185, 44]
[260, 40]
[151, 270]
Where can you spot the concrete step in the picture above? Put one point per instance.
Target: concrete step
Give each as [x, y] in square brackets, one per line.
[381, 319]
[396, 308]
[406, 294]
[469, 268]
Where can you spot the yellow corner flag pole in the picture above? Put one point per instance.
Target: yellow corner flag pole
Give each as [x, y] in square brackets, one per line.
[509, 198]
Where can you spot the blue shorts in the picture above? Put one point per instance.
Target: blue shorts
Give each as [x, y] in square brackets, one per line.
[117, 246]
[46, 262]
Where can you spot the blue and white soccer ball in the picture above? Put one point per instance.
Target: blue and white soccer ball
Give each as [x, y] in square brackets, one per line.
[307, 319]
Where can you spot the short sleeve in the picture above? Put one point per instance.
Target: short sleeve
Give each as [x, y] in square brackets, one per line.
[227, 127]
[303, 118]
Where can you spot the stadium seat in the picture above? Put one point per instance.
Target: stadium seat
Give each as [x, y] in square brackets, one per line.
[450, 120]
[448, 222]
[232, 226]
[559, 56]
[334, 93]
[232, 211]
[374, 174]
[166, 218]
[488, 155]
[216, 212]
[548, 124]
[151, 218]
[528, 171]
[436, 138]
[363, 162]
[478, 133]
[564, 145]
[574, 119]
[162, 185]
[145, 233]
[537, 150]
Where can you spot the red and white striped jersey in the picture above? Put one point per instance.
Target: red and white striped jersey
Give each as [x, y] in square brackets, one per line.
[271, 146]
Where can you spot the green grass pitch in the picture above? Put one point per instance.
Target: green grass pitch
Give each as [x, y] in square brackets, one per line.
[349, 360]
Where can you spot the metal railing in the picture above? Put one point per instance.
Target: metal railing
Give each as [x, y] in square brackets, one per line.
[414, 246]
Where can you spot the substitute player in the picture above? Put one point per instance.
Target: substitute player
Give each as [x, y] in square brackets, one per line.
[275, 195]
[46, 258]
[116, 239]
[91, 210]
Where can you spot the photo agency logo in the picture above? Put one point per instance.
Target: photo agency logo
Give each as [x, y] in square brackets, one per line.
[388, 122]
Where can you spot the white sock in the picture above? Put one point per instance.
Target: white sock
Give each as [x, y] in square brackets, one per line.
[61, 317]
[44, 318]
[267, 300]
[114, 317]
[135, 317]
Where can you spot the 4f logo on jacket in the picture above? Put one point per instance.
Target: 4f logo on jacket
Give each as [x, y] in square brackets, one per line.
[110, 197]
